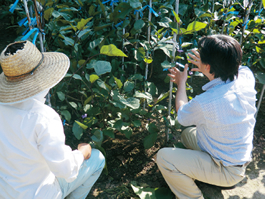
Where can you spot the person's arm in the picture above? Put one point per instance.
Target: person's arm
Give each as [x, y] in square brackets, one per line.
[62, 161]
[180, 79]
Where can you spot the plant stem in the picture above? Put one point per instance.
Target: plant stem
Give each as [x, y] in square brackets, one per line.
[246, 19]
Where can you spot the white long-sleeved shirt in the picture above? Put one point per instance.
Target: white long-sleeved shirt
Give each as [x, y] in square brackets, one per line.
[224, 117]
[33, 151]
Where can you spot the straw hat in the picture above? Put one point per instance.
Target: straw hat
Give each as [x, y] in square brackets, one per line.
[27, 71]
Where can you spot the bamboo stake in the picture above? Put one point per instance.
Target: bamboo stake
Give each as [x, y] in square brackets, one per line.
[27, 13]
[172, 61]
[263, 88]
[246, 19]
[38, 24]
[147, 53]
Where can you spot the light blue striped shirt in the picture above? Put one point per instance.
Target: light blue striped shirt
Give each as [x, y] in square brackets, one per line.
[224, 117]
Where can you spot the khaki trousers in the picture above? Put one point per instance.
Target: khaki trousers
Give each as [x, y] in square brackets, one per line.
[180, 167]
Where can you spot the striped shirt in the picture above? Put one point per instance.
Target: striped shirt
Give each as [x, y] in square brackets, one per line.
[224, 117]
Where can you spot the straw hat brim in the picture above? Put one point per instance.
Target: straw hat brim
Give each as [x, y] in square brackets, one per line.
[52, 70]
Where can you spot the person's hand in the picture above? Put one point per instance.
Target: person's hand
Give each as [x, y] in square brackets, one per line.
[178, 77]
[196, 60]
[85, 149]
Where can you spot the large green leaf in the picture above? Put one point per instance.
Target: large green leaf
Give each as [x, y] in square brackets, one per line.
[195, 26]
[61, 95]
[150, 140]
[98, 137]
[127, 131]
[152, 128]
[139, 24]
[112, 50]
[263, 1]
[77, 130]
[102, 67]
[109, 132]
[82, 23]
[66, 114]
[48, 13]
[128, 86]
[135, 4]
[261, 77]
[93, 78]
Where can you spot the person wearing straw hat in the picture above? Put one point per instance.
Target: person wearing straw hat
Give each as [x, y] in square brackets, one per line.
[34, 160]
[218, 149]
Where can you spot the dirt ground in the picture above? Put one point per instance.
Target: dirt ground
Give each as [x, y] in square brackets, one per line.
[128, 161]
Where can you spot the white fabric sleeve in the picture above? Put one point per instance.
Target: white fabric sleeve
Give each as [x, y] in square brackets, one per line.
[190, 113]
[62, 161]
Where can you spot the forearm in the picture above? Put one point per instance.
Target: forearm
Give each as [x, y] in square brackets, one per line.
[181, 95]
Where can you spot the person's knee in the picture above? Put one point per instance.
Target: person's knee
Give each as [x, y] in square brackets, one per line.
[98, 156]
[161, 154]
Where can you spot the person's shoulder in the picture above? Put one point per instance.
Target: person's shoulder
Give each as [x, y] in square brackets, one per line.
[43, 110]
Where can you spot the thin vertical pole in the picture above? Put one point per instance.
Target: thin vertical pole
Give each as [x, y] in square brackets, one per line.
[147, 53]
[260, 99]
[246, 19]
[27, 13]
[172, 61]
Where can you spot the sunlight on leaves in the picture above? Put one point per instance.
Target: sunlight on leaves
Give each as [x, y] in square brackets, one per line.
[112, 50]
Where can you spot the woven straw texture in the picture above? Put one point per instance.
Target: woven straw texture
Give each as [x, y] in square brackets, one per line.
[47, 75]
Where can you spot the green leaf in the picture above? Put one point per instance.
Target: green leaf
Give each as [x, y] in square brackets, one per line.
[73, 104]
[198, 12]
[97, 137]
[263, 1]
[261, 77]
[112, 50]
[128, 86]
[81, 24]
[135, 4]
[83, 32]
[109, 133]
[48, 13]
[81, 125]
[102, 84]
[118, 82]
[61, 95]
[141, 95]
[152, 128]
[127, 131]
[148, 60]
[95, 43]
[68, 41]
[133, 102]
[136, 123]
[166, 64]
[78, 77]
[186, 44]
[93, 78]
[102, 67]
[139, 24]
[66, 114]
[77, 130]
[195, 26]
[182, 8]
[150, 140]
[176, 17]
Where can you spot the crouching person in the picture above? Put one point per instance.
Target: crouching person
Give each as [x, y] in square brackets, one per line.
[35, 162]
[219, 147]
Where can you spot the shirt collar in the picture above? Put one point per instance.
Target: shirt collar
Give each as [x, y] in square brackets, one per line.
[213, 83]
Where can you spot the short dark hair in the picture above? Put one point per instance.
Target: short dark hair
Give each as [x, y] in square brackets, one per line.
[223, 53]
